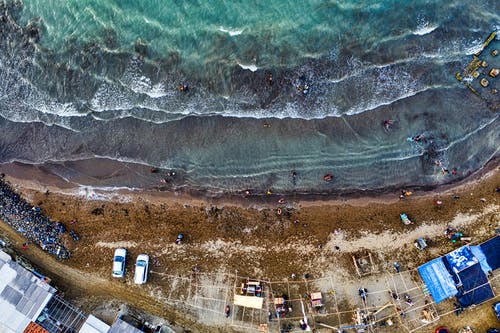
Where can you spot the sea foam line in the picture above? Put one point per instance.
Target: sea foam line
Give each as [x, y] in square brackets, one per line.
[466, 136]
[425, 29]
[252, 68]
[230, 32]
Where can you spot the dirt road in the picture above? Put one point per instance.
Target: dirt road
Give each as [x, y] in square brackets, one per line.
[77, 284]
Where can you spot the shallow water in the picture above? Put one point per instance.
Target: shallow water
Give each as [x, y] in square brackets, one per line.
[101, 81]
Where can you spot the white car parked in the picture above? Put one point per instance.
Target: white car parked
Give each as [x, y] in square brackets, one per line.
[141, 269]
[119, 263]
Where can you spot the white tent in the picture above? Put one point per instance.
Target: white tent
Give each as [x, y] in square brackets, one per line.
[249, 301]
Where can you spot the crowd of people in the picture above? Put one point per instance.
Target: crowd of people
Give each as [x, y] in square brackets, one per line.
[30, 222]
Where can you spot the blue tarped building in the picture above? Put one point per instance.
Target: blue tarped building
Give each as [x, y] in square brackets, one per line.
[463, 273]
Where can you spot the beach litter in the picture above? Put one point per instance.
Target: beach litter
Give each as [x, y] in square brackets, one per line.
[406, 220]
[421, 243]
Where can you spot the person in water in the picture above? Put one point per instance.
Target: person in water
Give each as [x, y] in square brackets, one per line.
[388, 123]
[183, 88]
[270, 79]
[418, 138]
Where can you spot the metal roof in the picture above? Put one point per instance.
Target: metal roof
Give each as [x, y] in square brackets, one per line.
[35, 328]
[94, 325]
[22, 295]
[120, 326]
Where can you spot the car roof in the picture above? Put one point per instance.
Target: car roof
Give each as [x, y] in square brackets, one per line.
[120, 252]
[140, 274]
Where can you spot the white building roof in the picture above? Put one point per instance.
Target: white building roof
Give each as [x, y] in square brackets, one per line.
[120, 326]
[22, 295]
[94, 325]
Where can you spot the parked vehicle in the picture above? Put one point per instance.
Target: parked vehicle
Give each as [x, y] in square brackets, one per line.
[141, 269]
[119, 263]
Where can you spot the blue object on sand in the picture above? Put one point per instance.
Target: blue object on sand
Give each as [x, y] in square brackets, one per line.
[405, 219]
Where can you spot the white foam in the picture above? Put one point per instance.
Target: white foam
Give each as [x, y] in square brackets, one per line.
[58, 109]
[252, 68]
[231, 32]
[473, 47]
[158, 90]
[113, 245]
[425, 29]
[110, 193]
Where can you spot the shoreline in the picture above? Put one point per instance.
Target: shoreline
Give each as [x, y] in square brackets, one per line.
[37, 178]
[323, 243]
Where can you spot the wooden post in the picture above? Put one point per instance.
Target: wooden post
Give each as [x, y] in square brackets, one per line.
[371, 262]
[356, 265]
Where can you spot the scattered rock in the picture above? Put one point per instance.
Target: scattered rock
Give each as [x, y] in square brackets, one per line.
[484, 82]
[494, 72]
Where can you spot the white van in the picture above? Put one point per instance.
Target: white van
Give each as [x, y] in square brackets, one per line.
[141, 269]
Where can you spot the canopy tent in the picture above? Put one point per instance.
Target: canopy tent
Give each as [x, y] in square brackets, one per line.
[491, 248]
[438, 280]
[460, 259]
[475, 287]
[463, 272]
[249, 301]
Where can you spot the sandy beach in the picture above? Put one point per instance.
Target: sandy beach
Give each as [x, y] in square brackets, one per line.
[258, 237]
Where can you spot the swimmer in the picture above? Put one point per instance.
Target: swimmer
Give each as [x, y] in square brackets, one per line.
[270, 79]
[388, 123]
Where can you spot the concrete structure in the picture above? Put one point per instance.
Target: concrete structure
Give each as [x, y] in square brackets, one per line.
[94, 325]
[23, 295]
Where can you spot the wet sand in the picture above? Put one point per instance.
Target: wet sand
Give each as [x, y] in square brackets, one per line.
[103, 175]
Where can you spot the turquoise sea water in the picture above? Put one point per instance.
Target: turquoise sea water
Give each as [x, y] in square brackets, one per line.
[84, 79]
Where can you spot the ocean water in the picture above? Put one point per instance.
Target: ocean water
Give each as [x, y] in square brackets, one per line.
[90, 79]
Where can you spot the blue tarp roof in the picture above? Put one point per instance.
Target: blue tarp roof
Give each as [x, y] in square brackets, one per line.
[461, 259]
[475, 286]
[478, 253]
[491, 250]
[438, 280]
[466, 267]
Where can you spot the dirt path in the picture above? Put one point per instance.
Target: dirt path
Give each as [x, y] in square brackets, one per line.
[79, 284]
